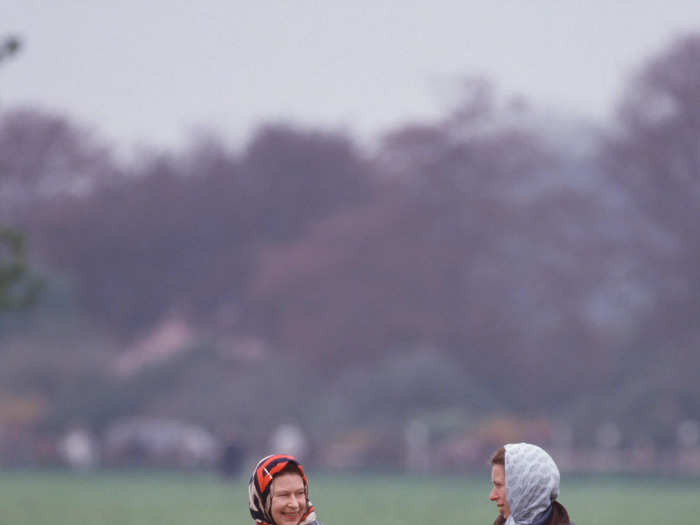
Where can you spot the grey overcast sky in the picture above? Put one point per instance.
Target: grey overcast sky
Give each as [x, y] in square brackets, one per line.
[150, 71]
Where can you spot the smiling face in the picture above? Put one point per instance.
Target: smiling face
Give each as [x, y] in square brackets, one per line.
[498, 492]
[288, 499]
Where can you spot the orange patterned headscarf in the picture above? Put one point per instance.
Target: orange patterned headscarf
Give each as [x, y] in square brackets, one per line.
[259, 499]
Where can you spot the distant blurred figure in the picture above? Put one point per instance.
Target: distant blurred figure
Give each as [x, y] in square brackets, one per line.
[417, 447]
[525, 487]
[78, 450]
[278, 493]
[289, 439]
[231, 459]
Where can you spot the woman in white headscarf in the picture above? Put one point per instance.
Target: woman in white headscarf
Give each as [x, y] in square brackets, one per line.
[525, 487]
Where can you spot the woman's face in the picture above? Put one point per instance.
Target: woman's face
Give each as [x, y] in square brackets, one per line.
[498, 492]
[288, 499]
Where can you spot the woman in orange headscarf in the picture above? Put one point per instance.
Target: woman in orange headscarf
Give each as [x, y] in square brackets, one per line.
[278, 493]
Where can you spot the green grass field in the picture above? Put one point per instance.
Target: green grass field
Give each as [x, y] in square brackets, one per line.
[61, 498]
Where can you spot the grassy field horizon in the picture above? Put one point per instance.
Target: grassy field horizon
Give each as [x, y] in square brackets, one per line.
[174, 498]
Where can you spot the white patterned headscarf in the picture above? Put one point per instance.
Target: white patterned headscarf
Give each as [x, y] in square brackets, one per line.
[532, 482]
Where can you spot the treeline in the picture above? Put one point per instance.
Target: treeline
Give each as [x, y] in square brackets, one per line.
[482, 263]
